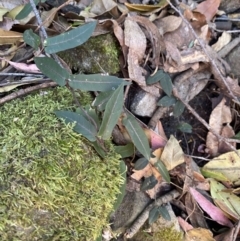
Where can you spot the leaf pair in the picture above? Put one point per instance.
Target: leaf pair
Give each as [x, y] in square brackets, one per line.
[110, 118]
[166, 84]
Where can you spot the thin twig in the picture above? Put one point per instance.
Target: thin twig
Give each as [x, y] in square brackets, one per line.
[220, 138]
[21, 74]
[23, 92]
[214, 65]
[144, 216]
[43, 31]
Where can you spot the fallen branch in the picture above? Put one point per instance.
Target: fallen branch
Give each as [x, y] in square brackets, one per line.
[23, 92]
[144, 216]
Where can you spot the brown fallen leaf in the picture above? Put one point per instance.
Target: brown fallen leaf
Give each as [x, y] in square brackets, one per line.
[208, 8]
[155, 38]
[220, 116]
[136, 41]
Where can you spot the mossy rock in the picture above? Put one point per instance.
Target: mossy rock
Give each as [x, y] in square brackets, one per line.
[53, 185]
[98, 55]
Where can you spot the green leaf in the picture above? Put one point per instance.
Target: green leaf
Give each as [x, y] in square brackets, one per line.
[154, 214]
[26, 10]
[112, 113]
[167, 101]
[82, 126]
[52, 70]
[237, 136]
[155, 78]
[138, 136]
[95, 82]
[166, 84]
[102, 99]
[178, 108]
[149, 183]
[70, 39]
[141, 163]
[91, 112]
[121, 195]
[163, 170]
[99, 149]
[164, 213]
[31, 38]
[125, 151]
[185, 127]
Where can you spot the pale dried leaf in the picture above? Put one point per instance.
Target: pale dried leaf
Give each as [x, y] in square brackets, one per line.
[137, 43]
[223, 40]
[172, 155]
[220, 115]
[10, 37]
[168, 24]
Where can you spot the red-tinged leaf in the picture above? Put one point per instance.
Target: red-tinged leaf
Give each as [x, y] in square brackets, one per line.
[30, 68]
[214, 212]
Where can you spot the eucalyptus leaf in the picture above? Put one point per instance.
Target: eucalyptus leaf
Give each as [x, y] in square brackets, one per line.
[164, 213]
[102, 99]
[52, 70]
[125, 151]
[112, 113]
[70, 39]
[141, 163]
[163, 170]
[26, 10]
[237, 136]
[153, 215]
[167, 101]
[166, 84]
[178, 108]
[149, 183]
[82, 125]
[138, 136]
[95, 82]
[185, 127]
[31, 38]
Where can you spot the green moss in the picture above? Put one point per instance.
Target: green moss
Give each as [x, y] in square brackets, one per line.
[53, 186]
[167, 234]
[98, 55]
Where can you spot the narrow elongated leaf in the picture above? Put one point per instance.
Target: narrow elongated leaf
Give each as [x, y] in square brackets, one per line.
[153, 215]
[166, 84]
[112, 113]
[167, 101]
[163, 170]
[141, 163]
[164, 212]
[149, 183]
[99, 149]
[70, 39]
[26, 10]
[155, 78]
[31, 38]
[51, 69]
[178, 108]
[95, 82]
[102, 99]
[138, 136]
[125, 151]
[82, 126]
